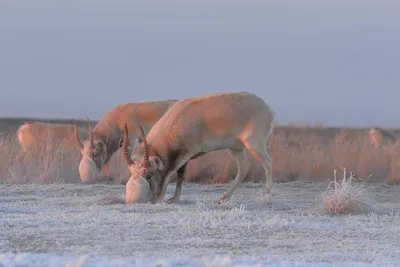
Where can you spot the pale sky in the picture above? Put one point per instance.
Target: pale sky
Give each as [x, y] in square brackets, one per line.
[332, 61]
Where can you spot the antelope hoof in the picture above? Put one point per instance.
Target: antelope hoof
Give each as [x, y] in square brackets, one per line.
[223, 200]
[109, 180]
[268, 198]
[173, 200]
[156, 200]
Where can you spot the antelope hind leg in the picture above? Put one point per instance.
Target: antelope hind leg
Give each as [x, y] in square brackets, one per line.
[262, 156]
[243, 167]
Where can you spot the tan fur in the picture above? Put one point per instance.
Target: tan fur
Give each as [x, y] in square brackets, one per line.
[33, 134]
[380, 137]
[237, 121]
[108, 132]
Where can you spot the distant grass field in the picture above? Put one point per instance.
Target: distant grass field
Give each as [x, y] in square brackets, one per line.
[299, 152]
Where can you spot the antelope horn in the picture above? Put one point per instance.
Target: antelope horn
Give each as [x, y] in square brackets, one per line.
[125, 150]
[90, 133]
[77, 136]
[146, 149]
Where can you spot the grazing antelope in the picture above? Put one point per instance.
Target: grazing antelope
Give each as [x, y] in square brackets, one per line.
[106, 137]
[236, 121]
[33, 134]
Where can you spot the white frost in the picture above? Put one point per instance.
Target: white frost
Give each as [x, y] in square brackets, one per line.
[87, 261]
[56, 224]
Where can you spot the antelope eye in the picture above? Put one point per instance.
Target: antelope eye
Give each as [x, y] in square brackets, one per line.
[148, 177]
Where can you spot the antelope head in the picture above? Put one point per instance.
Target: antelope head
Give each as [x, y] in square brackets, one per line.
[93, 155]
[144, 166]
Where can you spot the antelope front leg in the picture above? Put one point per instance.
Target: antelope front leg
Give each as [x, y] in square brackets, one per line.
[177, 195]
[178, 188]
[163, 190]
[106, 169]
[107, 172]
[180, 166]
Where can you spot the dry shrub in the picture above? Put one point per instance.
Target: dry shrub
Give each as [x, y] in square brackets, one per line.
[346, 196]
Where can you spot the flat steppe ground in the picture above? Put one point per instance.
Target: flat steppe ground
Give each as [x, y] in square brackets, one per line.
[58, 223]
[76, 219]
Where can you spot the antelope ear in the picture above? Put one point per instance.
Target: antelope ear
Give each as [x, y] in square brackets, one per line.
[156, 163]
[100, 145]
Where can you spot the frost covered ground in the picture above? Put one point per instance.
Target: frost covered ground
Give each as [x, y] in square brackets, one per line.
[53, 225]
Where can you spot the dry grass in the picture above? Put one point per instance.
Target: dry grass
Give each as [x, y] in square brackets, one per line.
[299, 153]
[346, 196]
[308, 154]
[314, 158]
[45, 164]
